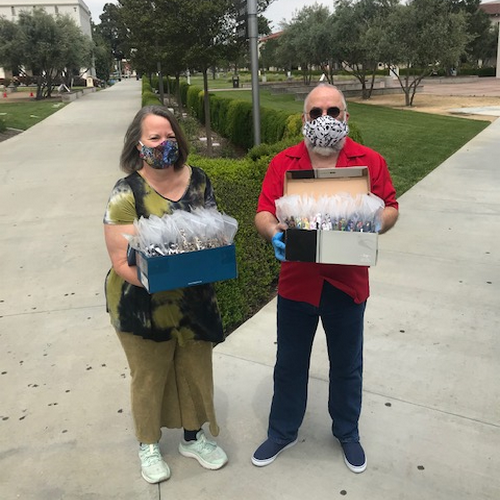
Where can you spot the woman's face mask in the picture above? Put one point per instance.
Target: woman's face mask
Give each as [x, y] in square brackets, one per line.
[325, 131]
[162, 156]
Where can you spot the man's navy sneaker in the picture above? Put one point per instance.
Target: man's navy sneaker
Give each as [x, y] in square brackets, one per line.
[268, 451]
[354, 456]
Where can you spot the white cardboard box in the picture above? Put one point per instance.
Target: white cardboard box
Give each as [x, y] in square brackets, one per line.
[330, 247]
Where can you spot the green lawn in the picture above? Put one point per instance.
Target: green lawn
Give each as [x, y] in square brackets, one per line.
[412, 143]
[23, 115]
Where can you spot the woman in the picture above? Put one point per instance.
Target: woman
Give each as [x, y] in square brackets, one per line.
[167, 336]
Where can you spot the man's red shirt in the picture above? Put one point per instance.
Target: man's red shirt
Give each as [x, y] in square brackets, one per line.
[303, 281]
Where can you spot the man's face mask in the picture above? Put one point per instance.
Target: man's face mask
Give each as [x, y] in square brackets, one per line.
[162, 156]
[325, 131]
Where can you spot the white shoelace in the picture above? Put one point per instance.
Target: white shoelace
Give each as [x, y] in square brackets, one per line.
[150, 455]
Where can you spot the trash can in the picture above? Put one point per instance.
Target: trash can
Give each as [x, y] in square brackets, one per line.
[236, 82]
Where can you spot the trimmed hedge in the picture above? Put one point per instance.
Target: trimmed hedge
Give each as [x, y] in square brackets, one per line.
[483, 72]
[237, 184]
[148, 96]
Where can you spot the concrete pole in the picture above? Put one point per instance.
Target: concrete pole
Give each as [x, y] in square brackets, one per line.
[253, 34]
[498, 52]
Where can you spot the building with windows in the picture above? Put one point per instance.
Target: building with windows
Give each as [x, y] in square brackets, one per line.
[76, 9]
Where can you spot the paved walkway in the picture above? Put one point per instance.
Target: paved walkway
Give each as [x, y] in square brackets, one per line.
[431, 418]
[478, 87]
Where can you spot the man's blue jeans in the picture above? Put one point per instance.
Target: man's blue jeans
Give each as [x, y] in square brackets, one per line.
[342, 321]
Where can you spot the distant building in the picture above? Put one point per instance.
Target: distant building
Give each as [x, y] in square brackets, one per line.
[76, 9]
[493, 10]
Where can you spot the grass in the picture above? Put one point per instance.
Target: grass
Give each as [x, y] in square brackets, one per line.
[413, 144]
[23, 115]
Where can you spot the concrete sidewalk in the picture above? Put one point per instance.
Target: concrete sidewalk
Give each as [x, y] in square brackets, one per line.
[431, 417]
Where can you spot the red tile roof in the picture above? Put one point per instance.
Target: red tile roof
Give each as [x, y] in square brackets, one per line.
[491, 8]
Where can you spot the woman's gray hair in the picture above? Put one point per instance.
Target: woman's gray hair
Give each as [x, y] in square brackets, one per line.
[330, 86]
[130, 161]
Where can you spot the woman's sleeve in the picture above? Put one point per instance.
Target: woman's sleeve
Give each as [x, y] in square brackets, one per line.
[121, 205]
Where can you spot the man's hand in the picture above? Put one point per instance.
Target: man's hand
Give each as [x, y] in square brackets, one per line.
[387, 219]
[269, 228]
[279, 246]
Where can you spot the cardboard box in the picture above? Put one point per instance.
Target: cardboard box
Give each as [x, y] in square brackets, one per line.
[186, 269]
[330, 247]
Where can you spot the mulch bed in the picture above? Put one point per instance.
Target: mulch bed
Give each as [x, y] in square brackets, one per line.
[8, 134]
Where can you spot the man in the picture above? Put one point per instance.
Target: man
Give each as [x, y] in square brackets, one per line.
[307, 291]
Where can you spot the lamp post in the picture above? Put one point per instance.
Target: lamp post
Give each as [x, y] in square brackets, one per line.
[253, 34]
[498, 49]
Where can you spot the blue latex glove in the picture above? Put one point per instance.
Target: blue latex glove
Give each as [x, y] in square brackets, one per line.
[279, 246]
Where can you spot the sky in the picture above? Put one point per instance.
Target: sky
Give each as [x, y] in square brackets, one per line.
[276, 12]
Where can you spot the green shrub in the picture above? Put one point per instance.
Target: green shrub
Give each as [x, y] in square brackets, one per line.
[272, 124]
[237, 184]
[267, 151]
[293, 126]
[194, 95]
[484, 71]
[3, 126]
[239, 128]
[355, 133]
[149, 97]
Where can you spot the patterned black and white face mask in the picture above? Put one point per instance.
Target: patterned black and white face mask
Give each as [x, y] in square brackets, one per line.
[325, 131]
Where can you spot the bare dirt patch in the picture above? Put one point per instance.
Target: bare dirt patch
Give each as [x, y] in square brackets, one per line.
[436, 104]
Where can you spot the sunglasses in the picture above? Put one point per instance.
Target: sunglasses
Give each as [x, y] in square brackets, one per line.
[317, 112]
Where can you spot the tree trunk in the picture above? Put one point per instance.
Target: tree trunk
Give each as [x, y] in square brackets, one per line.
[407, 86]
[179, 97]
[160, 83]
[39, 88]
[372, 83]
[330, 70]
[364, 90]
[206, 102]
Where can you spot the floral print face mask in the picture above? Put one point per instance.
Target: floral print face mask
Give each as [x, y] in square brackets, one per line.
[325, 131]
[162, 156]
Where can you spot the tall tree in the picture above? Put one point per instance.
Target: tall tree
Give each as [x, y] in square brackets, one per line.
[11, 55]
[478, 27]
[114, 32]
[353, 28]
[420, 37]
[103, 58]
[307, 40]
[76, 50]
[239, 49]
[210, 26]
[268, 54]
[50, 47]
